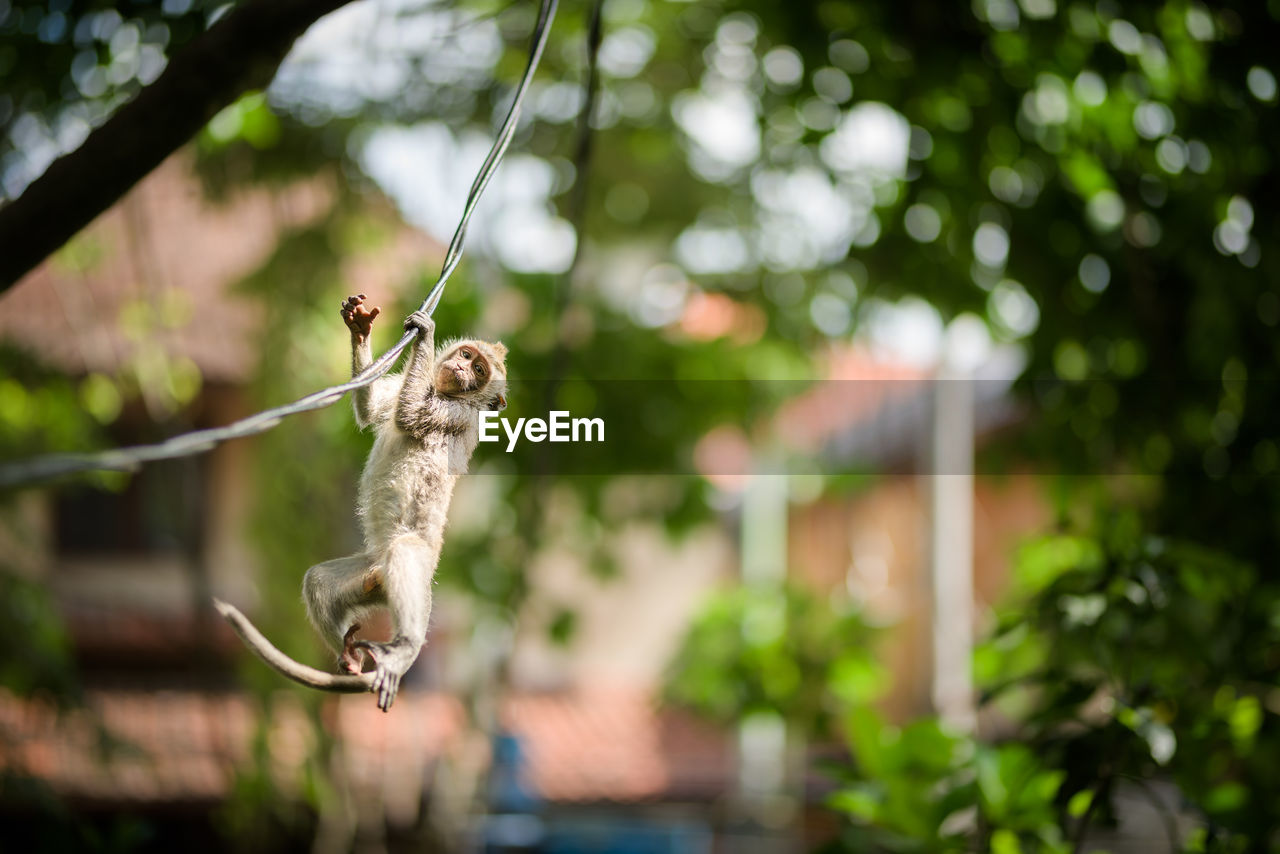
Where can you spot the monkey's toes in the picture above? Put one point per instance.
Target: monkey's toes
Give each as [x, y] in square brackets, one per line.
[387, 691]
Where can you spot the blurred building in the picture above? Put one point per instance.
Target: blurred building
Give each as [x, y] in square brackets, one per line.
[922, 518]
[588, 759]
[145, 292]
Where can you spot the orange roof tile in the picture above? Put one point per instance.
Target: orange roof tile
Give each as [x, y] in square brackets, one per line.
[184, 746]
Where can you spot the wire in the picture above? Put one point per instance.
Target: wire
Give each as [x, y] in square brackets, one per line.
[200, 441]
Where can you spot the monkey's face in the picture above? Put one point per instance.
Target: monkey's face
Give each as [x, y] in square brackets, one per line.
[469, 368]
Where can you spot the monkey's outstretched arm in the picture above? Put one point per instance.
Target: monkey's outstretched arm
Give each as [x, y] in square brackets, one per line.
[286, 666]
[372, 403]
[362, 398]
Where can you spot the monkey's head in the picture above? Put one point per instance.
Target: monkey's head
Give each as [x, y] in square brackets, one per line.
[473, 369]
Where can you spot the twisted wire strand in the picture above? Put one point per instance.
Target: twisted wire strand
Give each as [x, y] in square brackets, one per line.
[133, 457]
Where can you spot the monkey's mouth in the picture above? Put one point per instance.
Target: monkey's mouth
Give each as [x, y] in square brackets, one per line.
[464, 378]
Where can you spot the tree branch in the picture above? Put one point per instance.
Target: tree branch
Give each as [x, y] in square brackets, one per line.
[239, 53]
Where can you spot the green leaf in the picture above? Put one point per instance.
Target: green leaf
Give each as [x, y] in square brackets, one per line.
[858, 678]
[1005, 842]
[1226, 798]
[563, 627]
[858, 802]
[1087, 175]
[1079, 803]
[867, 740]
[991, 784]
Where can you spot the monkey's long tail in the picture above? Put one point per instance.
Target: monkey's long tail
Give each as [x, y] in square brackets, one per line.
[286, 666]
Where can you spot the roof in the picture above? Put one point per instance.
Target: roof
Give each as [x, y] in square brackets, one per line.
[615, 746]
[866, 414]
[184, 746]
[856, 389]
[154, 272]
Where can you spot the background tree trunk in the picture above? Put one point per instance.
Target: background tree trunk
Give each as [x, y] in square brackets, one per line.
[239, 53]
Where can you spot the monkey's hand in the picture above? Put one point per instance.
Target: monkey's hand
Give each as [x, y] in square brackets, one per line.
[358, 317]
[392, 660]
[422, 322]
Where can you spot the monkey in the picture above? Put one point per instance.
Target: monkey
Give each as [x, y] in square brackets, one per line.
[426, 427]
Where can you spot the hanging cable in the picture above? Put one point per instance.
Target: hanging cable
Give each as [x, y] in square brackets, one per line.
[200, 441]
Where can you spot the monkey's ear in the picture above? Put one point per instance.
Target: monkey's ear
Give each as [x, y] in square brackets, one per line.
[500, 349]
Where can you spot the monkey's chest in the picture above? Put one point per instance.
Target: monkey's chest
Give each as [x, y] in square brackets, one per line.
[406, 488]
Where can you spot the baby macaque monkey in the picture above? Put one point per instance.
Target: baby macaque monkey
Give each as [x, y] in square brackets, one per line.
[426, 421]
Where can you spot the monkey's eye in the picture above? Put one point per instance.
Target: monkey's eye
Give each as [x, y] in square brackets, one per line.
[480, 370]
[466, 354]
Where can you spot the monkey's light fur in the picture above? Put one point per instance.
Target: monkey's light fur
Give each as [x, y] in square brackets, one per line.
[427, 427]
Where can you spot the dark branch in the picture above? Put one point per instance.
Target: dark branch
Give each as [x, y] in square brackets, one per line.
[239, 53]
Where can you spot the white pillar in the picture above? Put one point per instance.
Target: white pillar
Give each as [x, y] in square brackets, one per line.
[764, 530]
[951, 548]
[762, 739]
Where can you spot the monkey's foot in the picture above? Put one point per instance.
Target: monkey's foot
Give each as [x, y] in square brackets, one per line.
[351, 660]
[391, 660]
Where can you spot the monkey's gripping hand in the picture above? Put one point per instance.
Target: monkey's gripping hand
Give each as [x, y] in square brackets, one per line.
[422, 322]
[392, 660]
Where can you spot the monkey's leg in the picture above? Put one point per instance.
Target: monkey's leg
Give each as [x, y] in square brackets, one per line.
[407, 566]
[336, 592]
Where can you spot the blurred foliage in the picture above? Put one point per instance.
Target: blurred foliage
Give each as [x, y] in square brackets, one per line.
[41, 410]
[790, 652]
[1097, 184]
[802, 656]
[66, 65]
[37, 662]
[1093, 183]
[1134, 657]
[922, 788]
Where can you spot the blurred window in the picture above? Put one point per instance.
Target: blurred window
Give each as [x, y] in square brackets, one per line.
[156, 513]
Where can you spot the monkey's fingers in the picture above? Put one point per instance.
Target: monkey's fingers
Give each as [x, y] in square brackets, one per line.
[370, 647]
[419, 321]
